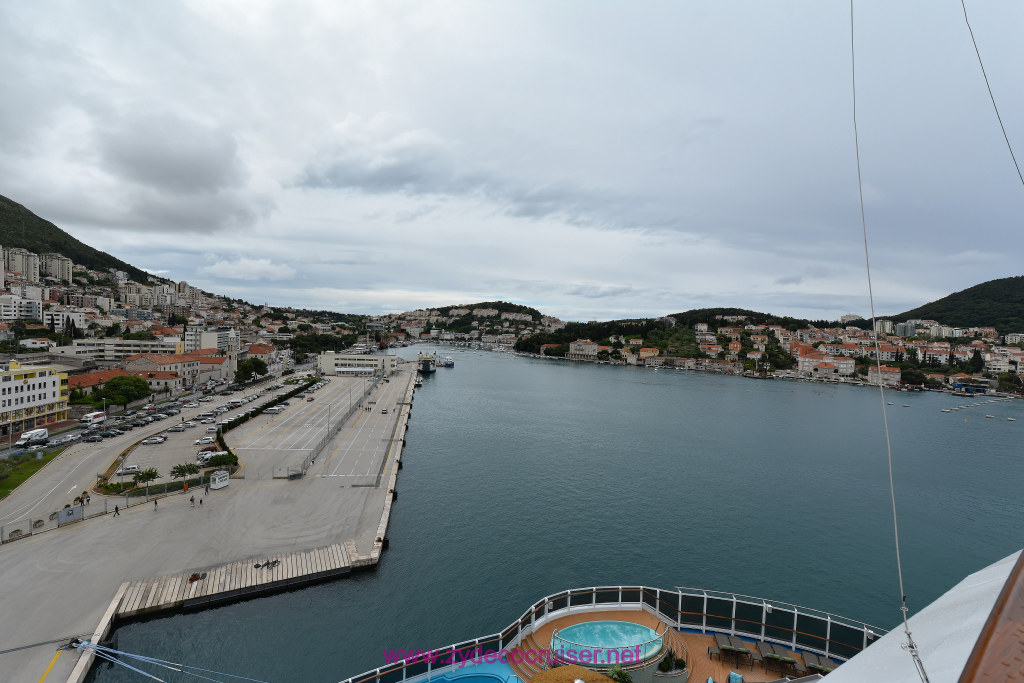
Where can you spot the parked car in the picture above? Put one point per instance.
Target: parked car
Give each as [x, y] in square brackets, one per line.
[208, 420]
[159, 416]
[127, 469]
[129, 413]
[192, 404]
[171, 411]
[205, 439]
[309, 399]
[117, 432]
[107, 434]
[153, 440]
[92, 438]
[149, 406]
[177, 428]
[190, 424]
[206, 399]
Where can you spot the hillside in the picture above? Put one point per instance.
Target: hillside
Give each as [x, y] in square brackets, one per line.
[997, 303]
[19, 227]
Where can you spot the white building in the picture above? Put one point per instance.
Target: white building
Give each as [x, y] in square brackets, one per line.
[31, 396]
[22, 261]
[582, 349]
[332, 363]
[14, 307]
[56, 266]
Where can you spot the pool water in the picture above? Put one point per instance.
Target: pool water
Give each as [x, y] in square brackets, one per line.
[606, 643]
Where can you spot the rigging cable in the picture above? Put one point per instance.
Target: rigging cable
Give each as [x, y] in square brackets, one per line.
[910, 645]
[990, 95]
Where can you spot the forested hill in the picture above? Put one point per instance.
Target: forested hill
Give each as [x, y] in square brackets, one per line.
[997, 303]
[19, 227]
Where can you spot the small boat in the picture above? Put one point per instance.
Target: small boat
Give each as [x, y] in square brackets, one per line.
[1011, 419]
[990, 416]
[906, 405]
[891, 403]
[945, 410]
[448, 362]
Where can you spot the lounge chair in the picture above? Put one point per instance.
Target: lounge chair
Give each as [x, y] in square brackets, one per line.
[811, 660]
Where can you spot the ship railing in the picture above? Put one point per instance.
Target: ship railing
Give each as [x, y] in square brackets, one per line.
[683, 609]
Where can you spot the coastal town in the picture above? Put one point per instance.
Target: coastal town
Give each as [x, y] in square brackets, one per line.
[86, 327]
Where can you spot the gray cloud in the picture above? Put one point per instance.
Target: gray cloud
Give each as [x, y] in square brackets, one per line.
[170, 154]
[539, 152]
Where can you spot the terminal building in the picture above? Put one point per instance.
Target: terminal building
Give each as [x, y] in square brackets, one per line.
[32, 396]
[332, 364]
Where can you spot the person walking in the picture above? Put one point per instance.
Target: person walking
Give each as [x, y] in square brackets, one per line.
[207, 493]
[117, 511]
[88, 499]
[192, 500]
[200, 502]
[154, 503]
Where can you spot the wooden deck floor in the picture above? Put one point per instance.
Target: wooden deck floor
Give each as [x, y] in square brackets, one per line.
[696, 647]
[234, 580]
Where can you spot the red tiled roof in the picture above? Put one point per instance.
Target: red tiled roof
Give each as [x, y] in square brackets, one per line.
[92, 379]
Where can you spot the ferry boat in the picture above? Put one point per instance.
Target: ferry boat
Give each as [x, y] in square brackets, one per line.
[427, 362]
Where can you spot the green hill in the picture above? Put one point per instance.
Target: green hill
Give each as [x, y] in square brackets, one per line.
[19, 227]
[996, 303]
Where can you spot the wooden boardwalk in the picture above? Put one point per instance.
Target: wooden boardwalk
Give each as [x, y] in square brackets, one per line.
[233, 581]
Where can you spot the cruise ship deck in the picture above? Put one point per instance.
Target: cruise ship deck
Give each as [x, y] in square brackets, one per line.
[715, 633]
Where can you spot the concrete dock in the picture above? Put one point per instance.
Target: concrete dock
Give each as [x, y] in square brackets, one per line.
[80, 579]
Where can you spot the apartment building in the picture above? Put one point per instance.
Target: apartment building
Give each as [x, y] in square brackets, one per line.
[31, 396]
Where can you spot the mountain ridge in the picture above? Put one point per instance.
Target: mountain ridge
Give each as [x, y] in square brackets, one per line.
[20, 227]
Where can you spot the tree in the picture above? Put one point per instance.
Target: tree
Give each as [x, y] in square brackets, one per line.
[248, 368]
[145, 476]
[124, 389]
[976, 363]
[184, 469]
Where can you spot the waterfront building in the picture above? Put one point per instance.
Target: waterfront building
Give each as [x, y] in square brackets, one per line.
[32, 396]
[582, 349]
[332, 363]
[889, 376]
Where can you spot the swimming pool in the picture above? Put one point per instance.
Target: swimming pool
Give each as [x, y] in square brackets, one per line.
[605, 643]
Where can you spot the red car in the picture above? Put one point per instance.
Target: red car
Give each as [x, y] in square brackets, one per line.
[309, 399]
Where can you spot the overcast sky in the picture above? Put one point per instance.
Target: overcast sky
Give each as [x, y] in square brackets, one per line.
[593, 159]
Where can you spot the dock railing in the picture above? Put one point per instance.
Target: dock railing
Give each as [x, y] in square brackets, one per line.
[688, 609]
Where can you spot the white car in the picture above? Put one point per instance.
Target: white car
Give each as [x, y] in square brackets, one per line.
[193, 404]
[208, 421]
[127, 469]
[204, 440]
[206, 399]
[190, 424]
[153, 440]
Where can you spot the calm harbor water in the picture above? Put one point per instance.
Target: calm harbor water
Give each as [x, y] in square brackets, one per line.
[525, 477]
